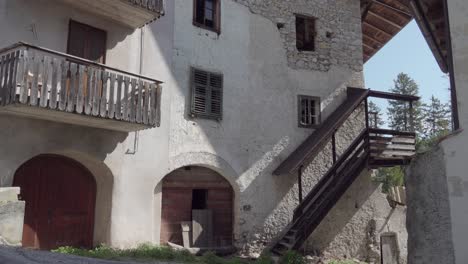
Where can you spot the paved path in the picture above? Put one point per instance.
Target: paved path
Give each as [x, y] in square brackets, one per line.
[10, 255]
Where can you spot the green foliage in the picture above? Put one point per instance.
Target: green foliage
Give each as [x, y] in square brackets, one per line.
[343, 262]
[436, 123]
[390, 177]
[147, 252]
[292, 257]
[265, 258]
[142, 252]
[398, 111]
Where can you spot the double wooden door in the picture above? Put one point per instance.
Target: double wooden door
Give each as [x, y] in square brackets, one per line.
[60, 198]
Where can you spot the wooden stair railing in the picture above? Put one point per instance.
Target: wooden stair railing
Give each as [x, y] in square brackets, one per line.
[372, 148]
[324, 195]
[319, 138]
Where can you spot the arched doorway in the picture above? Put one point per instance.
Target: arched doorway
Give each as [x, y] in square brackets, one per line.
[202, 199]
[60, 196]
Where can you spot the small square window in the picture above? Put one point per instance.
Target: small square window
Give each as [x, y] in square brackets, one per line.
[305, 33]
[308, 111]
[206, 14]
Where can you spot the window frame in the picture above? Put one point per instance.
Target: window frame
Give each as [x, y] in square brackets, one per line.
[305, 47]
[318, 111]
[208, 98]
[217, 17]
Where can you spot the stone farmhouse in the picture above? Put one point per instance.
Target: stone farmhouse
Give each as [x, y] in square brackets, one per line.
[224, 124]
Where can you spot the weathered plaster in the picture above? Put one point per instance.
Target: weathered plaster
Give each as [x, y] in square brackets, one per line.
[429, 223]
[354, 226]
[338, 25]
[11, 217]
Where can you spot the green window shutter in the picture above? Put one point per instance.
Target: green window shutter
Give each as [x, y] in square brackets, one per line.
[207, 94]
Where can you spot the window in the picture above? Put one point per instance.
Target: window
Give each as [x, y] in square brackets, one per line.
[308, 111]
[206, 14]
[305, 33]
[207, 94]
[86, 42]
[199, 198]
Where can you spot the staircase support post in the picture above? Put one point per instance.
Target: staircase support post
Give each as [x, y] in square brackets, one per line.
[334, 147]
[299, 182]
[411, 118]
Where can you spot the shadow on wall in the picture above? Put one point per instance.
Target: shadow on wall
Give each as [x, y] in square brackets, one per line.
[53, 18]
[345, 230]
[26, 138]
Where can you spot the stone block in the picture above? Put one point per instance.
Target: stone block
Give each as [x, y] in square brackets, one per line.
[11, 222]
[9, 194]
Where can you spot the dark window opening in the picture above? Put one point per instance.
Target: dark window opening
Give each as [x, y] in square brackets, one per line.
[305, 33]
[207, 14]
[199, 197]
[308, 111]
[86, 42]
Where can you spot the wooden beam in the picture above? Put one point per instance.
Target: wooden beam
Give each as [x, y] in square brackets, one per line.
[367, 46]
[373, 40]
[393, 96]
[453, 90]
[378, 29]
[398, 10]
[388, 21]
[428, 33]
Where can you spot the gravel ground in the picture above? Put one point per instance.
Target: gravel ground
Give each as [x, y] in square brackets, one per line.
[9, 255]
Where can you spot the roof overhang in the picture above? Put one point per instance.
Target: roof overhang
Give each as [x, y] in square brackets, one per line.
[381, 21]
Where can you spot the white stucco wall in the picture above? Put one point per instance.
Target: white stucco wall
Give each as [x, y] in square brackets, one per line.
[125, 182]
[262, 78]
[259, 127]
[455, 148]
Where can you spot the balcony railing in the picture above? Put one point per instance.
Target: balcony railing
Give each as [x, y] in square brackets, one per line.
[132, 13]
[46, 84]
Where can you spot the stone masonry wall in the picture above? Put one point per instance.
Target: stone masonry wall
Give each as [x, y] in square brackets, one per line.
[338, 25]
[429, 223]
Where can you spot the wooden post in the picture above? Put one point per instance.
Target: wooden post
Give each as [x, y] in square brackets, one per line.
[366, 106]
[334, 147]
[366, 141]
[411, 121]
[299, 182]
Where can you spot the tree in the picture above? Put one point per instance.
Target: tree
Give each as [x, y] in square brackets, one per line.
[399, 111]
[390, 177]
[375, 115]
[436, 118]
[435, 122]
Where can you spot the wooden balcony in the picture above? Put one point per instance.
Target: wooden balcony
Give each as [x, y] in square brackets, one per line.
[132, 13]
[40, 83]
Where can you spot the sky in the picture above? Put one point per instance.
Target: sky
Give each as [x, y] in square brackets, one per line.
[407, 52]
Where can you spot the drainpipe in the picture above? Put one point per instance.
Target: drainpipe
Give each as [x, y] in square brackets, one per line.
[140, 69]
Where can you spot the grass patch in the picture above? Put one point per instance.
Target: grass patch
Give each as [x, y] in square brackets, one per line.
[343, 262]
[157, 253]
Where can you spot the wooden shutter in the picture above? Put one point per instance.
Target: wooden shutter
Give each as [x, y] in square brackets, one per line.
[305, 33]
[300, 32]
[86, 42]
[207, 94]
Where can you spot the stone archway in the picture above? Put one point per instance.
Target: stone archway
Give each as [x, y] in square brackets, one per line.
[202, 198]
[60, 197]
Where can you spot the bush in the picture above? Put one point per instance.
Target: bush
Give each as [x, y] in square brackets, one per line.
[342, 262]
[292, 257]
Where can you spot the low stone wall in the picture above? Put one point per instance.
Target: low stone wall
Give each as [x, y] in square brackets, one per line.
[429, 223]
[353, 228]
[11, 217]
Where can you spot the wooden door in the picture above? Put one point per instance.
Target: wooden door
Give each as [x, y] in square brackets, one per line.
[87, 42]
[60, 198]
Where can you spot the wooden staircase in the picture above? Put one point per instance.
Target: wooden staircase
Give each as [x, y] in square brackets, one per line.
[372, 148]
